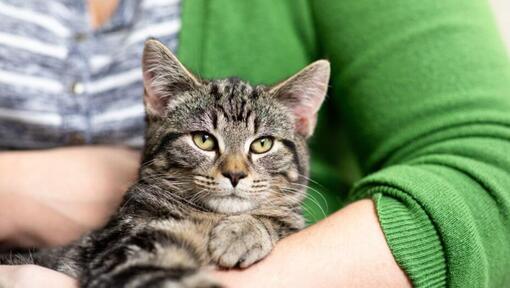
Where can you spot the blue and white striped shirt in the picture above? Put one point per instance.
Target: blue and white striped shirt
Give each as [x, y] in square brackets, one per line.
[63, 83]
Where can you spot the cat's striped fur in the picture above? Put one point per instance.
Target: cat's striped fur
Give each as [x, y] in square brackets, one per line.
[183, 214]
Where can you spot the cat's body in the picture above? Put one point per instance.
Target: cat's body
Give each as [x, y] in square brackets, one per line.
[223, 178]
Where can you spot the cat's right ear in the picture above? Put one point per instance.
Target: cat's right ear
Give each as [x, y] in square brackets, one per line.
[303, 94]
[164, 77]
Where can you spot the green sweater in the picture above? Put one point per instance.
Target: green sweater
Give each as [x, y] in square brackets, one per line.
[420, 91]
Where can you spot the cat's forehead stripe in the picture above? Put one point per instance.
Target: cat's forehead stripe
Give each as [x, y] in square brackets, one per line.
[214, 118]
[231, 87]
[233, 100]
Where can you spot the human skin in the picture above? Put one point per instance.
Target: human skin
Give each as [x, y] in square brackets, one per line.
[347, 249]
[100, 11]
[84, 185]
[51, 197]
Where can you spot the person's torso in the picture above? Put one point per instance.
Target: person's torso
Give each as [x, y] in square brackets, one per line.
[61, 82]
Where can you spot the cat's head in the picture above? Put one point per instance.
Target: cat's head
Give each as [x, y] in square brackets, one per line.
[225, 145]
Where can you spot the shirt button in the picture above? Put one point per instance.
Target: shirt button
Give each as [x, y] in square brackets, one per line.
[78, 88]
[80, 37]
[76, 139]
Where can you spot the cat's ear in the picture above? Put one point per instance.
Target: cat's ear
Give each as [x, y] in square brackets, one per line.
[163, 77]
[303, 93]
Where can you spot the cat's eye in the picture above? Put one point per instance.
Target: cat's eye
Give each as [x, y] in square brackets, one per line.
[204, 141]
[261, 145]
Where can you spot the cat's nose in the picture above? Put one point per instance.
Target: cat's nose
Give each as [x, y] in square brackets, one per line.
[234, 177]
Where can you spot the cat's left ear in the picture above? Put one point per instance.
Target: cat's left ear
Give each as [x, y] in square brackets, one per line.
[304, 93]
[164, 77]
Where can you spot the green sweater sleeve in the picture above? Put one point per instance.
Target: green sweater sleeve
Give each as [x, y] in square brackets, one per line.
[424, 89]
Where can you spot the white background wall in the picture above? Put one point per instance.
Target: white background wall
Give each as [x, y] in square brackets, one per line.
[501, 9]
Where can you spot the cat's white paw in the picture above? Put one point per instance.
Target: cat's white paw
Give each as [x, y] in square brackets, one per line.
[239, 241]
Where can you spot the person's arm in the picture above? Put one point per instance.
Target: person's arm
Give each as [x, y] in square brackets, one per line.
[50, 197]
[423, 87]
[357, 256]
[28, 276]
[347, 249]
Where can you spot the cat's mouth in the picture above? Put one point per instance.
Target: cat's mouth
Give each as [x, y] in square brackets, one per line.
[231, 192]
[230, 204]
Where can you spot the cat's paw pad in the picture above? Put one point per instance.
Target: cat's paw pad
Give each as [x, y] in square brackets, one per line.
[239, 242]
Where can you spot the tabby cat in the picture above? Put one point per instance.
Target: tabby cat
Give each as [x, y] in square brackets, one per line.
[223, 177]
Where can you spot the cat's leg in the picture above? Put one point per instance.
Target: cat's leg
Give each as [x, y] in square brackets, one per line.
[18, 257]
[164, 253]
[241, 240]
[52, 258]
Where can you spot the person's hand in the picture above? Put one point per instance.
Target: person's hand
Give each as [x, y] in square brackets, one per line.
[50, 197]
[29, 276]
[347, 249]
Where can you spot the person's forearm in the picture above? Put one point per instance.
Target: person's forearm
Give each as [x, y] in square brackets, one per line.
[28, 276]
[348, 249]
[49, 197]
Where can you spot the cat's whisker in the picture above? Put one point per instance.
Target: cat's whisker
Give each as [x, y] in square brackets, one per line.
[161, 175]
[211, 183]
[198, 196]
[312, 200]
[178, 197]
[124, 204]
[204, 185]
[311, 189]
[297, 198]
[204, 176]
[299, 174]
[271, 207]
[147, 163]
[309, 179]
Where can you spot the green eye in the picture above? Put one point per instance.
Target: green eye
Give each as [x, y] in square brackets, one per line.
[261, 145]
[204, 141]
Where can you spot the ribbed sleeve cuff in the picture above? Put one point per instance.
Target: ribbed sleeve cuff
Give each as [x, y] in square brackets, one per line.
[413, 241]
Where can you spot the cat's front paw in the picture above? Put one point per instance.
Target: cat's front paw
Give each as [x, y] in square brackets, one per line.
[239, 241]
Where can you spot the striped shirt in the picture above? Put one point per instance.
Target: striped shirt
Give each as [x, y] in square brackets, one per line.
[64, 83]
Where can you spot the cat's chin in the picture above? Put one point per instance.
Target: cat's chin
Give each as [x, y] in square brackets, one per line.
[230, 205]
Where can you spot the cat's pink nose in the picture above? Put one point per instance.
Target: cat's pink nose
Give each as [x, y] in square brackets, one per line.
[234, 177]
